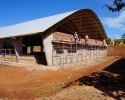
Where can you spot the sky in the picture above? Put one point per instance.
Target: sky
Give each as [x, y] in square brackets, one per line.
[18, 11]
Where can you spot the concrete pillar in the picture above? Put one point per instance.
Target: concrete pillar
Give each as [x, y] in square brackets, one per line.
[31, 49]
[47, 39]
[18, 44]
[1, 44]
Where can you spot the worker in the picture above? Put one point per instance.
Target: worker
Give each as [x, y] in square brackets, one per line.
[3, 56]
[86, 39]
[75, 37]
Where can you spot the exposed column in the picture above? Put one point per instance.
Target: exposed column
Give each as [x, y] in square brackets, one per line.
[47, 39]
[1, 44]
[18, 44]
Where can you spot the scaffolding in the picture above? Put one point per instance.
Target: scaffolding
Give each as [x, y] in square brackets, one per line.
[67, 52]
[9, 56]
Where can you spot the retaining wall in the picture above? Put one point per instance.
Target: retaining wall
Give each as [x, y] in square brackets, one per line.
[116, 51]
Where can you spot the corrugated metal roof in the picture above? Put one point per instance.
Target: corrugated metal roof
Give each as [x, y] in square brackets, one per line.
[84, 21]
[33, 26]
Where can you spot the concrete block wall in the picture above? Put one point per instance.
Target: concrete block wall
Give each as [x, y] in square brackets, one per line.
[62, 55]
[81, 55]
[80, 51]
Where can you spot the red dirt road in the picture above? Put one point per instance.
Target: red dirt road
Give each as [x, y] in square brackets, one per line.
[20, 83]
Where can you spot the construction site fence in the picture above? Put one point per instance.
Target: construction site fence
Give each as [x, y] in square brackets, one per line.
[7, 51]
[9, 55]
[116, 51]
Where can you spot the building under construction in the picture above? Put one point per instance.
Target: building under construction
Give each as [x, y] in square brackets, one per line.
[49, 41]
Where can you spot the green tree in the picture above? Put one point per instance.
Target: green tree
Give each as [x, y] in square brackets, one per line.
[123, 36]
[108, 40]
[118, 5]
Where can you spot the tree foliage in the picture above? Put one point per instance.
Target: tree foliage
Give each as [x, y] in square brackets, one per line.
[123, 36]
[117, 6]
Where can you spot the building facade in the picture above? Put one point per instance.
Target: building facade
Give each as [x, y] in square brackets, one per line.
[50, 40]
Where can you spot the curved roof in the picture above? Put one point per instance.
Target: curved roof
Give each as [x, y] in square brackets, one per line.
[84, 21]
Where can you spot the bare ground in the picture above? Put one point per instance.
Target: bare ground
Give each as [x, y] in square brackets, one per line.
[94, 81]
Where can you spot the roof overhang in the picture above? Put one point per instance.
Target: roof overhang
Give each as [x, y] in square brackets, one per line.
[84, 22]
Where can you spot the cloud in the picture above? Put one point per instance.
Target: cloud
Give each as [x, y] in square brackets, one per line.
[117, 22]
[116, 36]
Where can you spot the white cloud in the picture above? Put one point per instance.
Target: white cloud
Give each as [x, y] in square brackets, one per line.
[116, 36]
[117, 22]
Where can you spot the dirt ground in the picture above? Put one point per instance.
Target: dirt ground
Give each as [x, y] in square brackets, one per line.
[97, 80]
